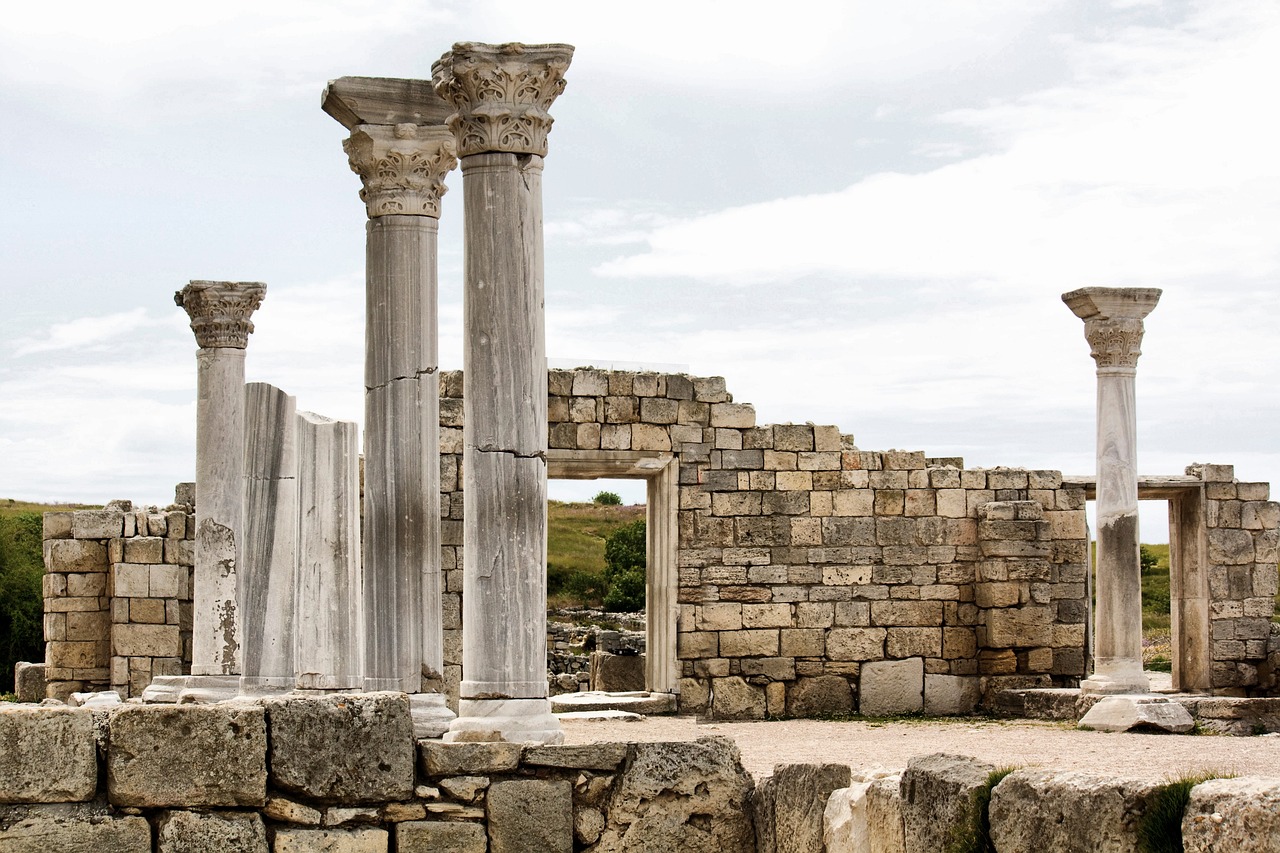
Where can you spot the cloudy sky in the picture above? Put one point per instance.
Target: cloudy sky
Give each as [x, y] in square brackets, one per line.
[858, 213]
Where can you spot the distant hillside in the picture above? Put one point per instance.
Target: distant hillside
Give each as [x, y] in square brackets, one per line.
[575, 549]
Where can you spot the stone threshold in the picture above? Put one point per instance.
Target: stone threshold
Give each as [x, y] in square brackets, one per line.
[1226, 715]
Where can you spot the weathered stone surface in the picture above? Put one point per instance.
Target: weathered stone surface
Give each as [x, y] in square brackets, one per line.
[78, 828]
[801, 792]
[846, 819]
[936, 794]
[1240, 815]
[617, 673]
[950, 694]
[1037, 810]
[735, 699]
[762, 803]
[187, 755]
[680, 798]
[819, 696]
[884, 816]
[47, 755]
[440, 837]
[354, 748]
[288, 811]
[1126, 713]
[362, 840]
[203, 832]
[891, 687]
[29, 681]
[464, 788]
[587, 756]
[457, 759]
[531, 814]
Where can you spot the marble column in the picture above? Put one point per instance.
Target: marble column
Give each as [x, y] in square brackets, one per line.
[401, 149]
[1113, 326]
[220, 312]
[270, 552]
[501, 94]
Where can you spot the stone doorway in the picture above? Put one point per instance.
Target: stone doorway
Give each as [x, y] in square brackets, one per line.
[659, 471]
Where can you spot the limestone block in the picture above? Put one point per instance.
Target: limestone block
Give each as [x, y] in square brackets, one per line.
[288, 811]
[71, 829]
[363, 840]
[735, 699]
[680, 798]
[914, 642]
[907, 613]
[198, 832]
[819, 696]
[187, 755]
[29, 681]
[457, 759]
[1126, 713]
[1230, 547]
[800, 795]
[440, 837]
[1019, 626]
[592, 756]
[1240, 815]
[760, 642]
[741, 415]
[56, 525]
[97, 523]
[74, 555]
[144, 549]
[936, 793]
[1073, 812]
[531, 814]
[351, 748]
[891, 687]
[802, 642]
[138, 640]
[946, 695]
[49, 754]
[856, 819]
[856, 643]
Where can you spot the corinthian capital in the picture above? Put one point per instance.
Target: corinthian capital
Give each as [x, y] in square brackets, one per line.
[501, 94]
[402, 166]
[1113, 321]
[220, 310]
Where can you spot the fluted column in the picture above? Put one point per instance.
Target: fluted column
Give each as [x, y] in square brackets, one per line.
[1114, 329]
[501, 95]
[220, 312]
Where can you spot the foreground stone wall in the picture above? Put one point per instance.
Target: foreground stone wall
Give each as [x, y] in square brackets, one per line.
[344, 773]
[117, 596]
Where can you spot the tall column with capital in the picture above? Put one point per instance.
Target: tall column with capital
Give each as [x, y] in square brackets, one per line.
[1113, 326]
[502, 94]
[402, 151]
[220, 312]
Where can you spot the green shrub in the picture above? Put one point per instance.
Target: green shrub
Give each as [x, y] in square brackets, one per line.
[607, 499]
[1160, 827]
[21, 593]
[624, 567]
[973, 833]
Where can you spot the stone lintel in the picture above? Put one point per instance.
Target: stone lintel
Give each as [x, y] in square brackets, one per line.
[1112, 303]
[354, 101]
[220, 310]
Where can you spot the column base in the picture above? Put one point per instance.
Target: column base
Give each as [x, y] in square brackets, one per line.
[1127, 678]
[265, 686]
[431, 714]
[184, 689]
[510, 720]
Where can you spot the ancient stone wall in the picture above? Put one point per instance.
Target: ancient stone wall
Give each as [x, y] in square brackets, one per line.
[117, 596]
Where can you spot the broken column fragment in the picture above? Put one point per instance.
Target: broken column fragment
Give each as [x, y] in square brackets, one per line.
[501, 94]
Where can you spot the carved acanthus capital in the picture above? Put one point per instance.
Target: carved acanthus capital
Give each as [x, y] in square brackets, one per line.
[402, 166]
[220, 310]
[1115, 343]
[501, 94]
[1113, 321]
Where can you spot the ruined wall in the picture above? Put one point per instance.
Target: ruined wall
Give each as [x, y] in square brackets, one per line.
[117, 596]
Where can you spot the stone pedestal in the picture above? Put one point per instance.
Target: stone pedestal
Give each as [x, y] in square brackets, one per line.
[401, 150]
[501, 94]
[1113, 327]
[219, 312]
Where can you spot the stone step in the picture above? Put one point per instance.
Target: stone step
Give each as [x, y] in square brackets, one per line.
[637, 702]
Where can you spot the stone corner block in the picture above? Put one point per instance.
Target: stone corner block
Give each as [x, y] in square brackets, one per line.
[1232, 814]
[888, 687]
[1037, 810]
[937, 791]
[187, 755]
[454, 759]
[800, 795]
[49, 754]
[344, 747]
[950, 695]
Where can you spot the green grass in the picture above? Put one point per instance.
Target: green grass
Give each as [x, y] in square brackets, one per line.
[1159, 829]
[575, 550]
[973, 833]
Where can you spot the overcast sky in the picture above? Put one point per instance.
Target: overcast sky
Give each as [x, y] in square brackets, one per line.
[858, 213]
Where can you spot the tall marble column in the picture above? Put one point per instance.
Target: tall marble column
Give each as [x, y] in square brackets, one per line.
[219, 312]
[402, 151]
[501, 94]
[1113, 326]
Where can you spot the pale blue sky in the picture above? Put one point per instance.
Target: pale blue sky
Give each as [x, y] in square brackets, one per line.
[858, 213]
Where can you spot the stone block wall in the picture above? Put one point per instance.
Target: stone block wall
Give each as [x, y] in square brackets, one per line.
[117, 596]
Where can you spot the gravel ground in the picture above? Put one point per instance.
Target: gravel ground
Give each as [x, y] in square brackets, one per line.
[1000, 742]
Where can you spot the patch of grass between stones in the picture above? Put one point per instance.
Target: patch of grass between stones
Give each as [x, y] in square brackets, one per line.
[1159, 829]
[973, 833]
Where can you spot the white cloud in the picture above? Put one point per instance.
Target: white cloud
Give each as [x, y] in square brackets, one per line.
[84, 333]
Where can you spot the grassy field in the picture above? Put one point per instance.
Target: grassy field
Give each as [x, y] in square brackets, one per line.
[575, 550]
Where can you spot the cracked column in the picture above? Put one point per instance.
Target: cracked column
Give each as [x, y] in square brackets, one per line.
[401, 149]
[501, 94]
[219, 312]
[1113, 326]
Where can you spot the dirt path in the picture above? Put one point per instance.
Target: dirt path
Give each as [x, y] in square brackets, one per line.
[1003, 743]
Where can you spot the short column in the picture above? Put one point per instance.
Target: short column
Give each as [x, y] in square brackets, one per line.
[220, 312]
[1113, 326]
[501, 94]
